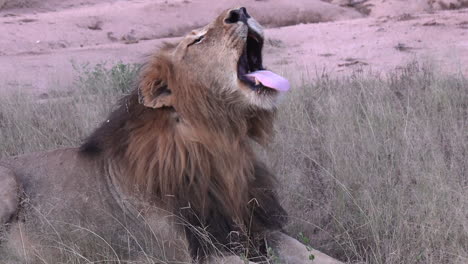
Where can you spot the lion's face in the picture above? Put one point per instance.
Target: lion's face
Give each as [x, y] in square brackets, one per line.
[226, 57]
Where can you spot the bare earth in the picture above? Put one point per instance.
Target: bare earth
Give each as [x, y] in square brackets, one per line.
[40, 39]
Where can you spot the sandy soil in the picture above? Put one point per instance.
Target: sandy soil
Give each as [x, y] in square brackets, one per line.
[378, 8]
[41, 38]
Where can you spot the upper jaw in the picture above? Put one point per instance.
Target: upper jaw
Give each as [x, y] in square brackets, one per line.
[254, 26]
[251, 60]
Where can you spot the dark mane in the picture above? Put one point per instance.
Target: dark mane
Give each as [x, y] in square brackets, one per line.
[215, 183]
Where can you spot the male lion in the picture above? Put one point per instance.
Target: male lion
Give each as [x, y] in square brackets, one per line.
[171, 175]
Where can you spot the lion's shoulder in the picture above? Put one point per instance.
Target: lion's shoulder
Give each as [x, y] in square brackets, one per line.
[52, 170]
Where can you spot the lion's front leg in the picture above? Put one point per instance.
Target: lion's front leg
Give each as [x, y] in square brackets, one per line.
[8, 195]
[290, 251]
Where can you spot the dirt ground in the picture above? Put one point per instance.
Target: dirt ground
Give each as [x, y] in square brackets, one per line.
[41, 39]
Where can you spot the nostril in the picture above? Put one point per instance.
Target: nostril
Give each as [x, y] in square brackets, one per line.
[237, 15]
[233, 17]
[244, 11]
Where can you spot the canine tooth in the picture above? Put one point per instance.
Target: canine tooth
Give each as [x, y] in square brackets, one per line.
[256, 81]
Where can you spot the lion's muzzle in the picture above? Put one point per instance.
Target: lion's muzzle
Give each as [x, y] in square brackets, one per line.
[237, 15]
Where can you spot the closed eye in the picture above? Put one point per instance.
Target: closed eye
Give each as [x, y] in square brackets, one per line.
[197, 40]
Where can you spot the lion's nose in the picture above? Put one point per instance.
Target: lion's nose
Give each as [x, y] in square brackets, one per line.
[237, 15]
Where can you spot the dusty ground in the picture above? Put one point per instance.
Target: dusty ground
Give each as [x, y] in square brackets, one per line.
[40, 38]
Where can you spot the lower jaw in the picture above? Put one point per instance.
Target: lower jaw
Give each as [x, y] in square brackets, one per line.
[258, 88]
[264, 91]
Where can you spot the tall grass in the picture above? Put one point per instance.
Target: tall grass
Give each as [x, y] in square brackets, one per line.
[373, 168]
[65, 116]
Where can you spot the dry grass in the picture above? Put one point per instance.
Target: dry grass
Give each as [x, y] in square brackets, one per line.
[65, 117]
[373, 169]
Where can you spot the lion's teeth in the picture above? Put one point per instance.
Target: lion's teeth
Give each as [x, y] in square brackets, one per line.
[256, 81]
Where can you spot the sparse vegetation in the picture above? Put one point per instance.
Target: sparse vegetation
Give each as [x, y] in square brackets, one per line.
[373, 168]
[66, 116]
[100, 78]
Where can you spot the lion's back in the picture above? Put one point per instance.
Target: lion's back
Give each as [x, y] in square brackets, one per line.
[62, 172]
[66, 199]
[52, 182]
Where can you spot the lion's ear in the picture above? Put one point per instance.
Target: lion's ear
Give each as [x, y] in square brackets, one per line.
[156, 94]
[152, 88]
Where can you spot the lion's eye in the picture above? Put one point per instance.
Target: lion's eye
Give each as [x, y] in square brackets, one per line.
[197, 40]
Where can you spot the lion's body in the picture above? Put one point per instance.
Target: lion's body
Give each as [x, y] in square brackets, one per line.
[170, 175]
[67, 202]
[135, 186]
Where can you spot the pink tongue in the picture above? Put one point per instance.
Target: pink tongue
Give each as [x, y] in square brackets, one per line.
[270, 80]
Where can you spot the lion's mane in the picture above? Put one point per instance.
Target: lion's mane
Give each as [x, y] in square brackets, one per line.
[208, 175]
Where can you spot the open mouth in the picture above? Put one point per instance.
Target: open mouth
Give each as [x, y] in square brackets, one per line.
[251, 71]
[251, 61]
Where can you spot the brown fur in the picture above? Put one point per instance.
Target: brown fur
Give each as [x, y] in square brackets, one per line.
[192, 153]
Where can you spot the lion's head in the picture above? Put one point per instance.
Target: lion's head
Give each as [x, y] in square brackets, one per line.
[222, 59]
[183, 137]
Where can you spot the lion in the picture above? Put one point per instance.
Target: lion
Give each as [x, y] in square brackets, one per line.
[171, 175]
